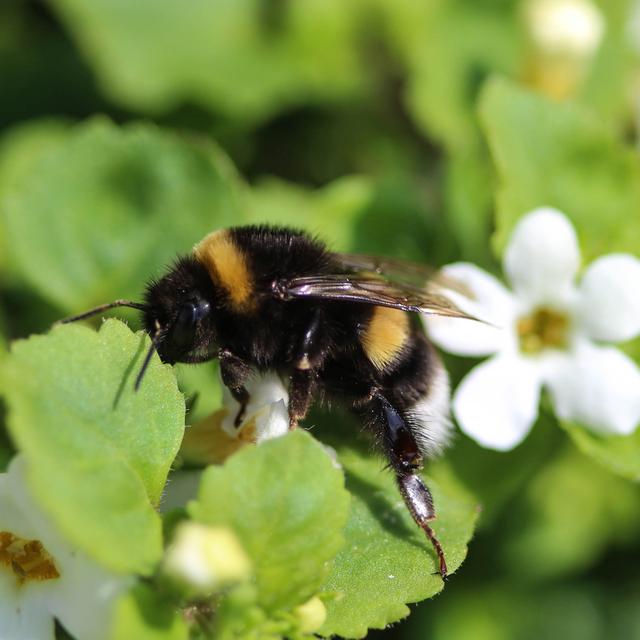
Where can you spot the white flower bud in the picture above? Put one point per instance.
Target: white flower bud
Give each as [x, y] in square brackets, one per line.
[205, 559]
[565, 27]
[311, 615]
[633, 27]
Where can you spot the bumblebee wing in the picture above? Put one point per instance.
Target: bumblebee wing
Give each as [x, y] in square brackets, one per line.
[387, 267]
[365, 289]
[404, 272]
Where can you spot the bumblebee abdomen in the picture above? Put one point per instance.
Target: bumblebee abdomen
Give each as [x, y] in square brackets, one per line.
[385, 336]
[418, 385]
[429, 417]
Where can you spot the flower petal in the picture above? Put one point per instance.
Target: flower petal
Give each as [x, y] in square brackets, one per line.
[542, 257]
[609, 306]
[497, 402]
[272, 422]
[598, 387]
[491, 302]
[12, 512]
[268, 404]
[84, 598]
[22, 616]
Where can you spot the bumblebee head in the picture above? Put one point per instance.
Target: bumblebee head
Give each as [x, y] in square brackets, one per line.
[177, 313]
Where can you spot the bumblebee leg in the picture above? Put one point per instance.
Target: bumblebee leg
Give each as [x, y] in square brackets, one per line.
[406, 461]
[302, 383]
[234, 373]
[301, 388]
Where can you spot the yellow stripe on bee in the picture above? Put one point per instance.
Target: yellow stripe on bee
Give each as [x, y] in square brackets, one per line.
[385, 335]
[227, 267]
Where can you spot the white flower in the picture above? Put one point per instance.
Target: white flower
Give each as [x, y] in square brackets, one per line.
[42, 577]
[545, 333]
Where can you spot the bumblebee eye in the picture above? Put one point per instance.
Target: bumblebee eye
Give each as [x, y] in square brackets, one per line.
[185, 324]
[184, 327]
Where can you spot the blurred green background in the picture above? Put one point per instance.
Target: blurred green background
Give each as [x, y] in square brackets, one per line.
[130, 129]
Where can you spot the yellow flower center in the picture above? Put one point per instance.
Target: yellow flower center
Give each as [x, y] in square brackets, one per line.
[543, 329]
[28, 559]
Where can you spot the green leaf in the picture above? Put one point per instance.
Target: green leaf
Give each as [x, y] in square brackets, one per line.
[558, 154]
[494, 478]
[330, 212]
[612, 71]
[401, 222]
[475, 39]
[238, 617]
[568, 517]
[286, 503]
[144, 614]
[20, 148]
[97, 214]
[500, 609]
[620, 454]
[244, 58]
[98, 453]
[387, 560]
[469, 198]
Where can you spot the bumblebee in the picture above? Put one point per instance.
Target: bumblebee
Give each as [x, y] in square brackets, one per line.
[339, 327]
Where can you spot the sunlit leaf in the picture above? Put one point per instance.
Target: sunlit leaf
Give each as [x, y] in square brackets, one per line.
[145, 614]
[620, 454]
[387, 561]
[98, 453]
[286, 503]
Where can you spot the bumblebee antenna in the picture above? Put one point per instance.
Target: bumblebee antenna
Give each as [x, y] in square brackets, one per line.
[104, 307]
[156, 338]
